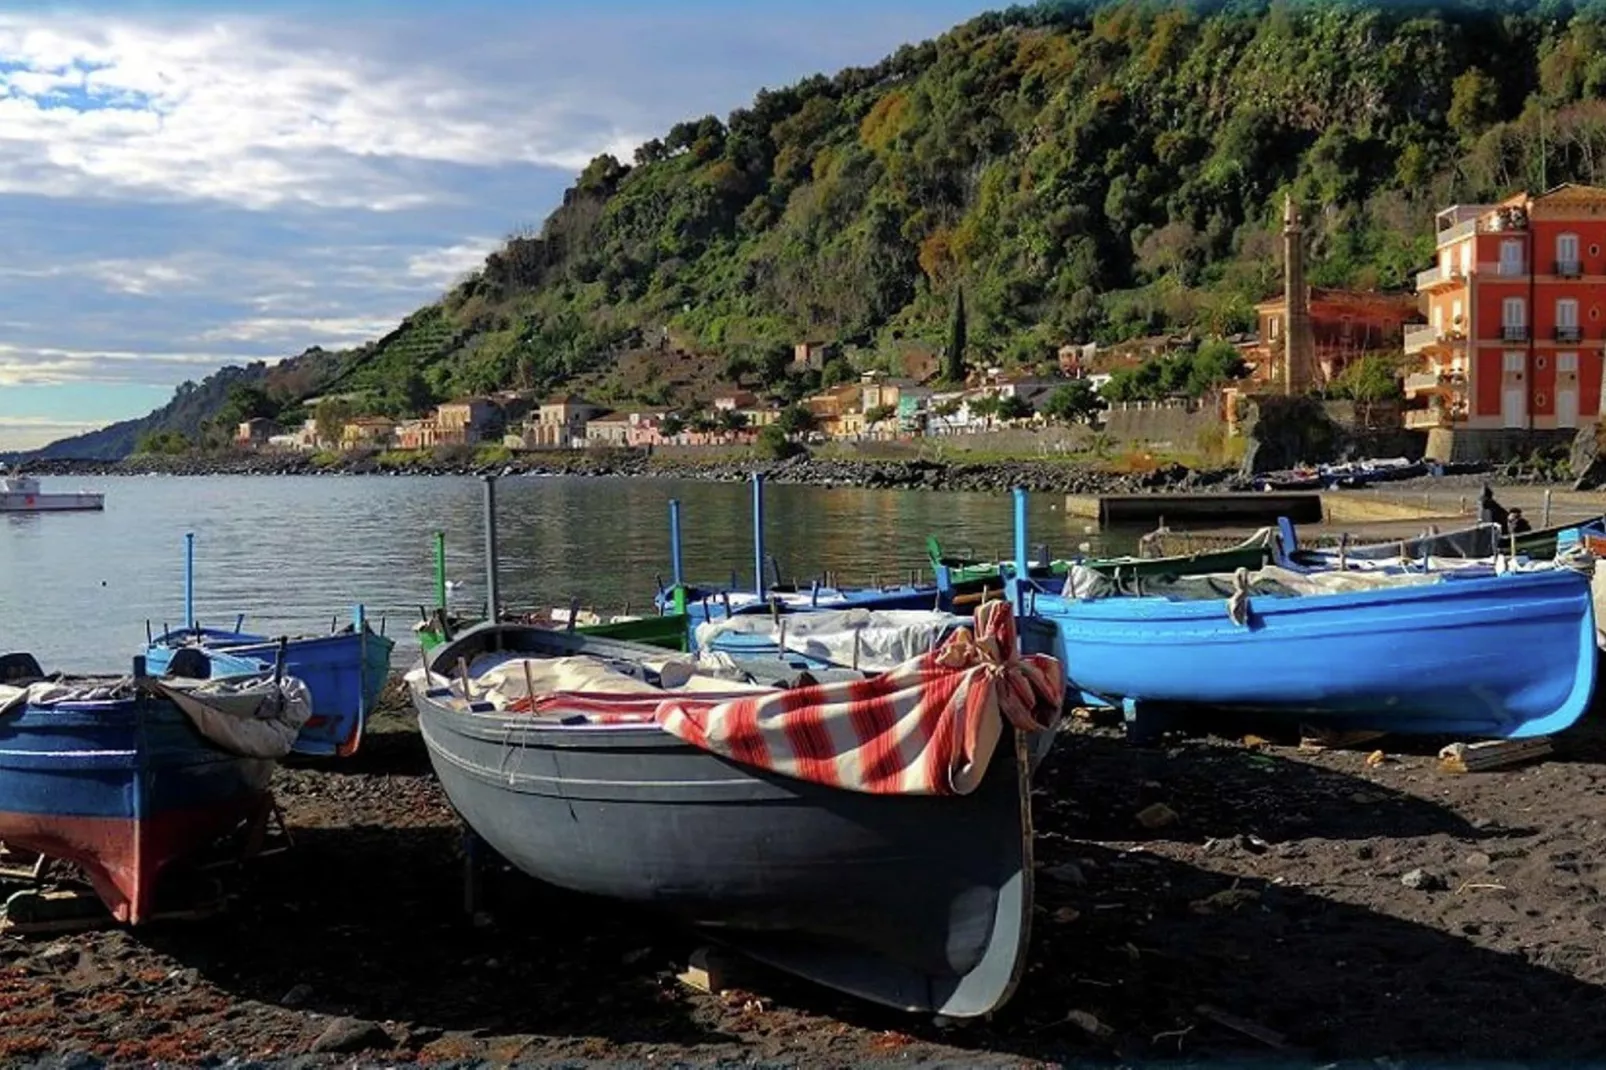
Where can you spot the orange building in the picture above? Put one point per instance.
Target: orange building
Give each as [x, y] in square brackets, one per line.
[1515, 311]
[1345, 324]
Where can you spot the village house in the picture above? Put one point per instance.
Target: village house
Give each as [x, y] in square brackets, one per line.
[810, 355]
[559, 423]
[1345, 324]
[303, 439]
[734, 401]
[611, 430]
[467, 422]
[1515, 330]
[255, 433]
[829, 406]
[420, 434]
[368, 432]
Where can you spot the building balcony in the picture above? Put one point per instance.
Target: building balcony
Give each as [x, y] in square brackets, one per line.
[1569, 334]
[1420, 338]
[1422, 383]
[1504, 269]
[1568, 269]
[1426, 419]
[1438, 276]
[1464, 229]
[1509, 333]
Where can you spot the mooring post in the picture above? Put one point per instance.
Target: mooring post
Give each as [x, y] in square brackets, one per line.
[758, 534]
[1021, 570]
[440, 570]
[677, 572]
[189, 580]
[492, 600]
[1544, 520]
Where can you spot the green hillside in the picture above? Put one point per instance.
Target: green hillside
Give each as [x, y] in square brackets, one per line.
[1081, 172]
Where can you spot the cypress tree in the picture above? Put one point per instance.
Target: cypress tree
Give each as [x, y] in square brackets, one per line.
[954, 365]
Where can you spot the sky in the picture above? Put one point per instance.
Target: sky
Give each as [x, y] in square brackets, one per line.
[185, 185]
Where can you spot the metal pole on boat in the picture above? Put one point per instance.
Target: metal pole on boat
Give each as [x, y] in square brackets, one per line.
[492, 601]
[1020, 550]
[189, 580]
[440, 570]
[758, 534]
[676, 566]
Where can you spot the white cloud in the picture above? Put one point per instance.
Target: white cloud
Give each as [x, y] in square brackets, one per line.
[258, 114]
[31, 432]
[331, 333]
[442, 267]
[44, 366]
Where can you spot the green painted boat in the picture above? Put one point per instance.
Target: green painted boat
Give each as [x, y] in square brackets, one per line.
[1253, 553]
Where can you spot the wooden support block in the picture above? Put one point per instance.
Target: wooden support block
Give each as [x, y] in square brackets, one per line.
[1492, 754]
[1316, 738]
[708, 971]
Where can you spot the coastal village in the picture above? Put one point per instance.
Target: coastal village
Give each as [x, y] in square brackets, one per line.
[1498, 351]
[669, 646]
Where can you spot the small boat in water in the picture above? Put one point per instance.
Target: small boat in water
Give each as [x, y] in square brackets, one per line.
[22, 494]
[905, 879]
[125, 776]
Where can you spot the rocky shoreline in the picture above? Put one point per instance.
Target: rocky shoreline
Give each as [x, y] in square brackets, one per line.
[1068, 477]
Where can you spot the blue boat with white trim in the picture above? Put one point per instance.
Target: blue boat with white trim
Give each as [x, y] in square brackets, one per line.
[345, 670]
[1507, 656]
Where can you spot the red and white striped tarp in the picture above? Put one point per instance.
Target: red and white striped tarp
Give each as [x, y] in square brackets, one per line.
[927, 727]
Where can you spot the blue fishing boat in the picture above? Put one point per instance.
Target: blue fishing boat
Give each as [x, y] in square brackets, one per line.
[1509, 655]
[345, 670]
[125, 776]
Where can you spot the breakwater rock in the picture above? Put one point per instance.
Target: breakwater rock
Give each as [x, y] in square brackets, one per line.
[1066, 477]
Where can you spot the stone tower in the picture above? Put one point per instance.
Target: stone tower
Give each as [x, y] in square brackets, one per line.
[1299, 357]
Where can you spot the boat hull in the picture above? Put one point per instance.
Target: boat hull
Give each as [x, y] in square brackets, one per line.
[917, 902]
[345, 672]
[12, 502]
[123, 789]
[1504, 656]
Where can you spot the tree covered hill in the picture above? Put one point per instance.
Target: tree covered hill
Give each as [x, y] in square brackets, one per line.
[1081, 171]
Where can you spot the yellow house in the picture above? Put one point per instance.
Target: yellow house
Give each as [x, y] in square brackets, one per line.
[466, 421]
[376, 432]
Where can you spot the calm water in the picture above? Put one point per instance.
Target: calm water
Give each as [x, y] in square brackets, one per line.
[292, 553]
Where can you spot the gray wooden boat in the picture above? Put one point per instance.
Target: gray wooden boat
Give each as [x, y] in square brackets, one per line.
[918, 902]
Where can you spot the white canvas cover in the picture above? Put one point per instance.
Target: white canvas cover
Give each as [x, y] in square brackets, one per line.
[886, 637]
[251, 717]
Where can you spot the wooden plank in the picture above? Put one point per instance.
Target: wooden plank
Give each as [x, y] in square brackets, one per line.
[1492, 754]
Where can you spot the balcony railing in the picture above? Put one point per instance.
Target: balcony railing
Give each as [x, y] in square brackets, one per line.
[1464, 229]
[1436, 276]
[1569, 334]
[1422, 381]
[1419, 338]
[1569, 269]
[1509, 333]
[1424, 419]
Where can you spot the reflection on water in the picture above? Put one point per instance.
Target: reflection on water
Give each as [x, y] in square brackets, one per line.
[292, 553]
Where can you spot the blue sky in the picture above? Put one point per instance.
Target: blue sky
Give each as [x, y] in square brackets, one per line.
[185, 185]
